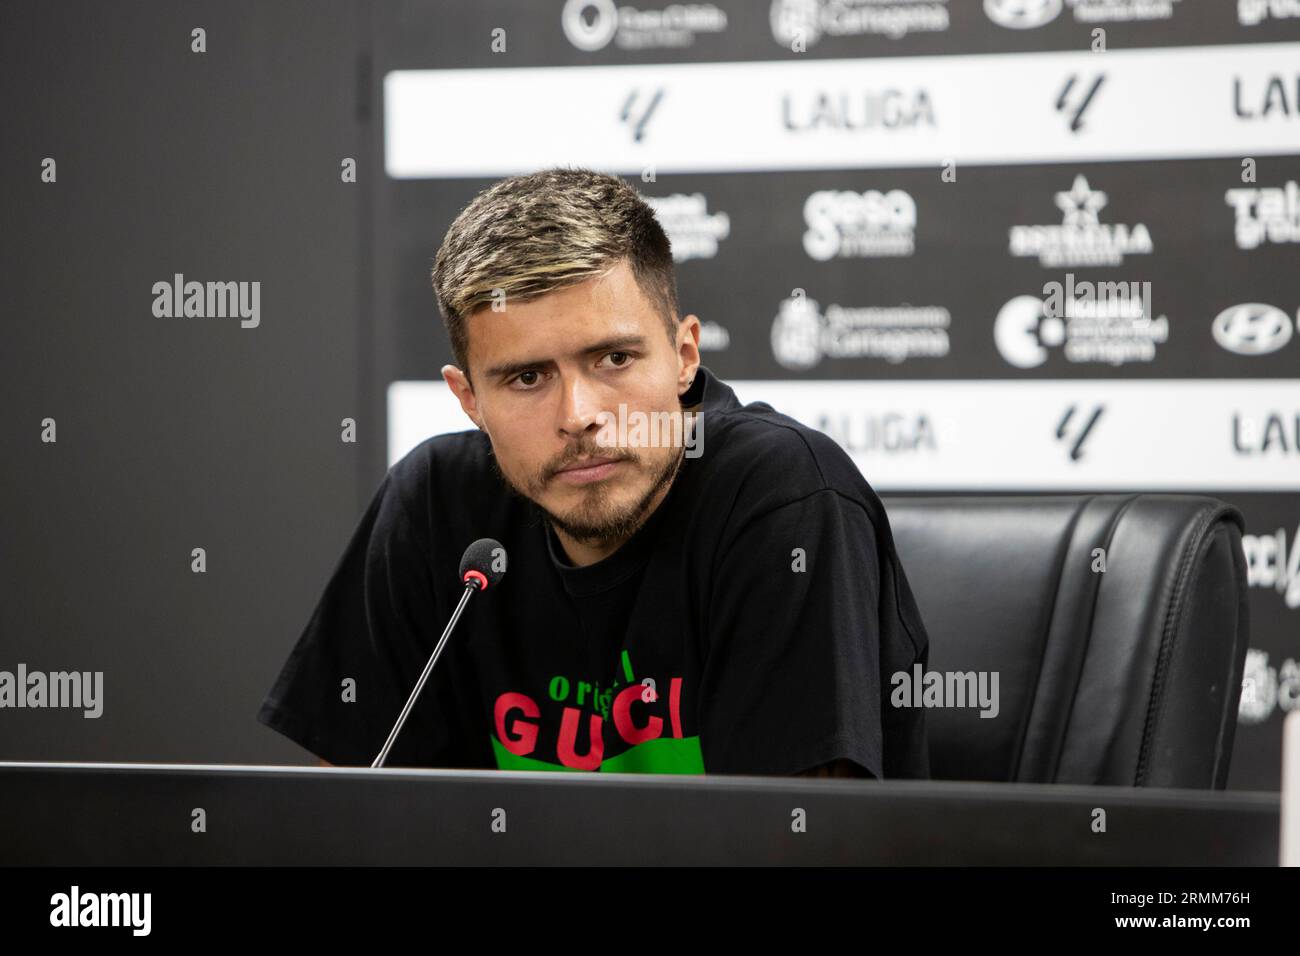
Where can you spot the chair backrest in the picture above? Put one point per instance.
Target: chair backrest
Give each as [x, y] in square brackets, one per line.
[1127, 676]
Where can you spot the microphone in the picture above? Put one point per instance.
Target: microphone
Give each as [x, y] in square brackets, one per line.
[484, 563]
[483, 566]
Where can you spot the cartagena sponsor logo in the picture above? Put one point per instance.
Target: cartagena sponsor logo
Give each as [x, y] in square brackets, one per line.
[843, 224]
[801, 23]
[1081, 239]
[802, 335]
[1102, 322]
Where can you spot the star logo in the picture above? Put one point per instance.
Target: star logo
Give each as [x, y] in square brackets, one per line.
[1081, 204]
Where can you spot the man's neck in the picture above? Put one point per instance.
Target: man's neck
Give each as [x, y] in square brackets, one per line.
[584, 552]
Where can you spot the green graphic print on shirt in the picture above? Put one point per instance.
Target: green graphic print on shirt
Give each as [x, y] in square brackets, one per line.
[644, 726]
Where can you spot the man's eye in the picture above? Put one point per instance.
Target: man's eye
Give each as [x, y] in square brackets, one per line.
[627, 356]
[523, 379]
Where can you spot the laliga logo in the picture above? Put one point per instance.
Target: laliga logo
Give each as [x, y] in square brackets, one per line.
[797, 332]
[1022, 14]
[594, 35]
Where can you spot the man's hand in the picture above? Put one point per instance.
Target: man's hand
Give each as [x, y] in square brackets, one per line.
[836, 768]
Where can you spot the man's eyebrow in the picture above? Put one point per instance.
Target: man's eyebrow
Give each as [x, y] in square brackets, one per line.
[630, 341]
[508, 369]
[606, 345]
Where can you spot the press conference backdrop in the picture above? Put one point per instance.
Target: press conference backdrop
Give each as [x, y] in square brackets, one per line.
[1031, 246]
[866, 201]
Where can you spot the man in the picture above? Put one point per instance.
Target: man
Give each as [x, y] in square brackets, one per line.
[724, 599]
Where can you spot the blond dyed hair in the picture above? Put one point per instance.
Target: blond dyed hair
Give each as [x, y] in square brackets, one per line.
[529, 235]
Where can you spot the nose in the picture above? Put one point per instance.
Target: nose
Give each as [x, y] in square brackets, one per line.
[579, 407]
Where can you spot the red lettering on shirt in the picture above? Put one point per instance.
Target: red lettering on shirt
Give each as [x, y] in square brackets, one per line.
[623, 722]
[521, 738]
[569, 735]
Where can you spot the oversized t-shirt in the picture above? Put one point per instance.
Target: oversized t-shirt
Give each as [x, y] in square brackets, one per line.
[751, 625]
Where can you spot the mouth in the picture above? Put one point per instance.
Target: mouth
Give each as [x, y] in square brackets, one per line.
[589, 470]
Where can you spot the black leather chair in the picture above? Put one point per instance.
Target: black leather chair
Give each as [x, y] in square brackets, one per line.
[1127, 677]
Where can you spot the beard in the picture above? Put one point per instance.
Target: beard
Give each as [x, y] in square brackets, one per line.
[597, 520]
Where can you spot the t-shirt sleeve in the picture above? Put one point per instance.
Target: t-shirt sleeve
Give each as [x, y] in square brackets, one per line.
[375, 625]
[792, 671]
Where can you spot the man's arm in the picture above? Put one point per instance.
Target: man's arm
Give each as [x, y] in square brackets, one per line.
[373, 626]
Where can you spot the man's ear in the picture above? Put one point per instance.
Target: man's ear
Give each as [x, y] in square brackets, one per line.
[460, 387]
[688, 351]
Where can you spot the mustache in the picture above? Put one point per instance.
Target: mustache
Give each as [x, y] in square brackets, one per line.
[595, 451]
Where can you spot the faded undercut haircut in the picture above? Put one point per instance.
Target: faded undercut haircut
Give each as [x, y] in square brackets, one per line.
[529, 235]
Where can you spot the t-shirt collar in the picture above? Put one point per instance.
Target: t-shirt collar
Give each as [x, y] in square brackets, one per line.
[709, 392]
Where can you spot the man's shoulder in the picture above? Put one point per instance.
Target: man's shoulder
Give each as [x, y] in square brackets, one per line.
[771, 459]
[452, 455]
[452, 468]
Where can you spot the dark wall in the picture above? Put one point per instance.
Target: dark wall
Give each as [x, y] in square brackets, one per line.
[176, 433]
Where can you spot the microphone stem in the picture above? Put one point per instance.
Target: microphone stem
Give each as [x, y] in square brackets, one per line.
[428, 669]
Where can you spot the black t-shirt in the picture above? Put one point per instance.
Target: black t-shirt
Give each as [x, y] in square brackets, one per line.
[751, 625]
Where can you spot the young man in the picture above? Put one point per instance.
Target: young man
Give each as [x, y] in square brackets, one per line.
[725, 599]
